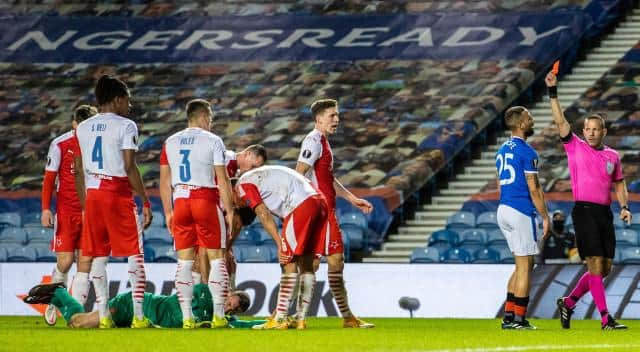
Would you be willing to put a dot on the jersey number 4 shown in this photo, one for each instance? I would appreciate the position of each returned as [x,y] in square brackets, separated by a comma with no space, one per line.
[503,165]
[96,154]
[185,166]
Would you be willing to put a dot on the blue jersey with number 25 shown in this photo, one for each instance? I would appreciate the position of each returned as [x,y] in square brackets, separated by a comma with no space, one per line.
[514,159]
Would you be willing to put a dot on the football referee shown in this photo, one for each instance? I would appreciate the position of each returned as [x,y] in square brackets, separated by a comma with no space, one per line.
[593,168]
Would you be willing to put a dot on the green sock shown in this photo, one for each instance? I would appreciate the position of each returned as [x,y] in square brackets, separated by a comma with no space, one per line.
[67,305]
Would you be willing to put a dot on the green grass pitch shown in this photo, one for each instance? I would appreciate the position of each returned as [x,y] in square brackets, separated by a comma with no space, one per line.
[326,335]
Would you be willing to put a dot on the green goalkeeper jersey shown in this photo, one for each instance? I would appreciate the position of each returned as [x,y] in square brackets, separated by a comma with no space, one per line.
[162,311]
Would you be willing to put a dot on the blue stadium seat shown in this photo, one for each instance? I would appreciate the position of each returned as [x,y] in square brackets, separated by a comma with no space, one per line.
[44,254]
[263,236]
[456,255]
[10,219]
[3,254]
[425,255]
[627,237]
[629,255]
[461,220]
[444,239]
[355,218]
[149,254]
[32,219]
[157,235]
[485,256]
[258,254]
[164,254]
[472,247]
[247,235]
[346,242]
[619,224]
[355,233]
[568,222]
[39,235]
[21,254]
[473,236]
[496,238]
[14,236]
[506,257]
[238,251]
[158,219]
[635,222]
[487,220]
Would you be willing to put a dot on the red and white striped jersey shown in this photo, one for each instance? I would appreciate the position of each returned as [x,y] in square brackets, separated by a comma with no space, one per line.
[281,189]
[316,152]
[191,155]
[102,138]
[60,160]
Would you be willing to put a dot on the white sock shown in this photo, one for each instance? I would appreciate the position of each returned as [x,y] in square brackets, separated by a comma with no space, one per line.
[184,287]
[100,284]
[58,276]
[219,286]
[307,282]
[287,282]
[80,287]
[197,277]
[138,280]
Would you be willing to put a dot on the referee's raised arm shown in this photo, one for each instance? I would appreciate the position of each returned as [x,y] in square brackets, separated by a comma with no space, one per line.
[558,116]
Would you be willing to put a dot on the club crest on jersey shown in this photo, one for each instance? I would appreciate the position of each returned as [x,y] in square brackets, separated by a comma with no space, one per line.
[306,153]
[609,167]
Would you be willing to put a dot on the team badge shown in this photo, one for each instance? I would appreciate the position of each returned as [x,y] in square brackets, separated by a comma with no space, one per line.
[609,167]
[306,153]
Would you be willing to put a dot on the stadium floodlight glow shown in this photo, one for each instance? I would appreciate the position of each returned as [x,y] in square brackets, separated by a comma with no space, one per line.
[410,304]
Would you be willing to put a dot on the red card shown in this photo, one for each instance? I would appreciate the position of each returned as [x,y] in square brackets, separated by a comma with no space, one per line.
[556,67]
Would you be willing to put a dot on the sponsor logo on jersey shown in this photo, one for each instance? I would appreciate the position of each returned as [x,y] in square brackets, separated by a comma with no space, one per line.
[609,167]
[306,153]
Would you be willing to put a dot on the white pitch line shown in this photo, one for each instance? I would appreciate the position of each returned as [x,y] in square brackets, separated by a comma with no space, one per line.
[536,348]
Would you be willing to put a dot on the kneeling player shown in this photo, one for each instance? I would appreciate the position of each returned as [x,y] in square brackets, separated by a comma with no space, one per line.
[287,194]
[162,311]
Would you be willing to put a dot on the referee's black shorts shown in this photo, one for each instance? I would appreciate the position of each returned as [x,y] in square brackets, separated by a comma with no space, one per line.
[595,234]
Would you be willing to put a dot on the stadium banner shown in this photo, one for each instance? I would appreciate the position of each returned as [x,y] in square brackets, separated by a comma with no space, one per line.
[539,35]
[443,290]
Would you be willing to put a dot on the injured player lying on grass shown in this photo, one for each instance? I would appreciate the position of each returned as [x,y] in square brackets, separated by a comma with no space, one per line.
[162,311]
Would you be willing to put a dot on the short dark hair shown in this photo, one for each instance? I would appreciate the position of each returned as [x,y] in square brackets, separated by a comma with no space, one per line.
[196,106]
[83,112]
[321,105]
[258,150]
[245,301]
[602,117]
[513,116]
[246,214]
[108,88]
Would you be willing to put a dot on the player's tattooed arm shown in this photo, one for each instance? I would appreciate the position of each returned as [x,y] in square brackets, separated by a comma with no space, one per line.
[537,196]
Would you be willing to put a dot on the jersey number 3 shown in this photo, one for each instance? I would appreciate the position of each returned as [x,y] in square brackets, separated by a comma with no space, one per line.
[96,153]
[503,165]
[185,166]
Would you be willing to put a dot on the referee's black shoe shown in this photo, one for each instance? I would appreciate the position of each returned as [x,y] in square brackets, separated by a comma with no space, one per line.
[613,325]
[565,313]
[42,293]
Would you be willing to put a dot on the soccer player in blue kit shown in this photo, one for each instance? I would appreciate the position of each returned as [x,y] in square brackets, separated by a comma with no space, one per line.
[520,197]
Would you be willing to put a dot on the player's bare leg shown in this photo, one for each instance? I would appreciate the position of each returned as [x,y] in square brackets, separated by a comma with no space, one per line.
[85,320]
[524,265]
[184,285]
[219,285]
[339,291]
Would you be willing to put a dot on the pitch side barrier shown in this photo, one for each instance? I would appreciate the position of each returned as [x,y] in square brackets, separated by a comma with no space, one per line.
[442,290]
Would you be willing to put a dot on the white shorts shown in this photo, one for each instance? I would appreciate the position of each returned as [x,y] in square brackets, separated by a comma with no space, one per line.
[519,230]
